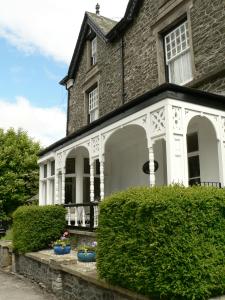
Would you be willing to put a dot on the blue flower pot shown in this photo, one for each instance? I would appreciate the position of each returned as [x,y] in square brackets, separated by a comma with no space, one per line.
[86,256]
[67,249]
[59,250]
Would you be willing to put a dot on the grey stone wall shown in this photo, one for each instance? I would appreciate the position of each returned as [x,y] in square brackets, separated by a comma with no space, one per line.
[107,73]
[78,288]
[67,283]
[142,59]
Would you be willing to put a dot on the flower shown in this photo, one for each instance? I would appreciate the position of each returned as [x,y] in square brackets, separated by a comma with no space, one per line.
[88,247]
[63,241]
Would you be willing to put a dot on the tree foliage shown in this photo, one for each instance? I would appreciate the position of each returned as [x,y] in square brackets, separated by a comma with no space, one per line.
[18,168]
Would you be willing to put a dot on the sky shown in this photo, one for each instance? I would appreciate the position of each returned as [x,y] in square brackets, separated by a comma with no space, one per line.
[37,40]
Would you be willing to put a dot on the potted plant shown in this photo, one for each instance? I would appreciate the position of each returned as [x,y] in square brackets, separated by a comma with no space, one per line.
[62,245]
[87,253]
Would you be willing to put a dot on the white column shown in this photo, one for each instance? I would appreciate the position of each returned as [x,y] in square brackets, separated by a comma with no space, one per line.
[48,184]
[41,186]
[185,156]
[151,167]
[79,178]
[175,151]
[92,178]
[63,186]
[102,184]
[56,200]
[40,201]
[221,156]
[59,187]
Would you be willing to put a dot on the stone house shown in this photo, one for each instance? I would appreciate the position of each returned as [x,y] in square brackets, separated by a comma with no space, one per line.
[146,105]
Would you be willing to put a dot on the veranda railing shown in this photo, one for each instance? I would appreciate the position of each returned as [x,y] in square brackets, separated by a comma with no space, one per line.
[82,216]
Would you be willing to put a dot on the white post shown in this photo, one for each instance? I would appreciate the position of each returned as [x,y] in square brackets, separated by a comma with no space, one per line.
[151,166]
[63,186]
[96,210]
[92,178]
[221,155]
[41,192]
[56,200]
[83,217]
[102,193]
[69,216]
[79,178]
[48,184]
[76,216]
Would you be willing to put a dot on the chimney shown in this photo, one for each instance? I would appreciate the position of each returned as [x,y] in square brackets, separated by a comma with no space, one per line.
[97,7]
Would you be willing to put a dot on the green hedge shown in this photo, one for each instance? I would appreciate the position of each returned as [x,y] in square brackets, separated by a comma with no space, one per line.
[35,227]
[166,242]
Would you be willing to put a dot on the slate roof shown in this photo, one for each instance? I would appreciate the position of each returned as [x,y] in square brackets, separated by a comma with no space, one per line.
[104,24]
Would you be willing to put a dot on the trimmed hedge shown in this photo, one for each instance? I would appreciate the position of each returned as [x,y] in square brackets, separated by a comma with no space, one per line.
[164,242]
[35,227]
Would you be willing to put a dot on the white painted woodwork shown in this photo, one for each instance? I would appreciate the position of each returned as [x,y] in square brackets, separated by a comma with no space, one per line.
[79,177]
[102,193]
[151,167]
[125,149]
[92,187]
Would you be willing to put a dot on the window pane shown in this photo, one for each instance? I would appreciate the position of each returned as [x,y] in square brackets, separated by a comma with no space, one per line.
[70,190]
[192,142]
[178,40]
[94,51]
[86,166]
[86,190]
[53,168]
[45,170]
[70,165]
[93,104]
[97,167]
[97,189]
[193,166]
[180,69]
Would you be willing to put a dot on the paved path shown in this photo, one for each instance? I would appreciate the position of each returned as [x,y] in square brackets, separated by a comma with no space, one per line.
[18,288]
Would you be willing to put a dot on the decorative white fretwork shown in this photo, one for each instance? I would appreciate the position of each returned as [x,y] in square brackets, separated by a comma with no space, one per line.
[158,121]
[223,127]
[59,161]
[177,118]
[95,145]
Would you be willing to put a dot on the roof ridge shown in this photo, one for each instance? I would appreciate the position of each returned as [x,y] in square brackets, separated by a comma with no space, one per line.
[100,16]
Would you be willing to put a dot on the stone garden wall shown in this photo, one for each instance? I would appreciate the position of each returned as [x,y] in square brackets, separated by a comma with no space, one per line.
[67,279]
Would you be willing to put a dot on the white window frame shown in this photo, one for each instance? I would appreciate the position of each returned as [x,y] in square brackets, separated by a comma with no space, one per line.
[94,51]
[93,105]
[176,45]
[192,154]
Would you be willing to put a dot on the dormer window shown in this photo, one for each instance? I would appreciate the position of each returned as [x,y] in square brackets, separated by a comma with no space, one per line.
[178,54]
[94,51]
[93,105]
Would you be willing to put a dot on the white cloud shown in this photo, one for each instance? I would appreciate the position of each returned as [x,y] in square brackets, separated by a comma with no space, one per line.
[46,125]
[50,27]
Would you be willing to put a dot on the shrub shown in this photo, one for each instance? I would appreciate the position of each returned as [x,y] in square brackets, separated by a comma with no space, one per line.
[35,227]
[166,242]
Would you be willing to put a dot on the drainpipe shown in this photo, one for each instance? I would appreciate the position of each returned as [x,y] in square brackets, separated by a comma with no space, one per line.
[122,71]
